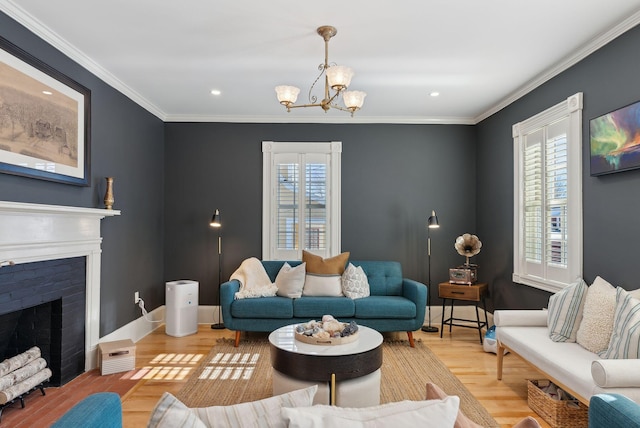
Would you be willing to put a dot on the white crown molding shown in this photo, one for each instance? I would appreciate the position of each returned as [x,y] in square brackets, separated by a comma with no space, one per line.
[38,28]
[17,13]
[290,118]
[596,43]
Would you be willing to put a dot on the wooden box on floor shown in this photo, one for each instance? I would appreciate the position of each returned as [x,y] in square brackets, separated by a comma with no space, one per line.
[117,356]
[557,413]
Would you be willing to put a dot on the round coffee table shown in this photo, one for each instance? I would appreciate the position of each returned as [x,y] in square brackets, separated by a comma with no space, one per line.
[353,367]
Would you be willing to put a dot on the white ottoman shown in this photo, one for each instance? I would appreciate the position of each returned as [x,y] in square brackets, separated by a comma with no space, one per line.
[359,392]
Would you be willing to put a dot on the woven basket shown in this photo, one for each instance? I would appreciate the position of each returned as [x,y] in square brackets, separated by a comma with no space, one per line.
[557,413]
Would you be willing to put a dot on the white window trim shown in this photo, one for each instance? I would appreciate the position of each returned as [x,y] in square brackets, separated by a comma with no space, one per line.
[334,194]
[571,108]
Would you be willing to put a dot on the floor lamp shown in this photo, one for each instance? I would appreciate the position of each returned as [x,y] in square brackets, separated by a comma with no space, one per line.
[432,223]
[215,222]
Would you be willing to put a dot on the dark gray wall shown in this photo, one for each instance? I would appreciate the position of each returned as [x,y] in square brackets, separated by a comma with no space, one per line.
[126,143]
[392,177]
[609,80]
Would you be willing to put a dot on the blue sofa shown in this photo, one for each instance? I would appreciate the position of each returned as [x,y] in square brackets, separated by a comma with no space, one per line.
[99,410]
[613,411]
[395,303]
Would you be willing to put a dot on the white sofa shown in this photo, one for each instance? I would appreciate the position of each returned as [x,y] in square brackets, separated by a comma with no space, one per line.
[575,369]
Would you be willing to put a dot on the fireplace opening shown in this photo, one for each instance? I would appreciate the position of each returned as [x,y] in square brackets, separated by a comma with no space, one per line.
[43,304]
[35,326]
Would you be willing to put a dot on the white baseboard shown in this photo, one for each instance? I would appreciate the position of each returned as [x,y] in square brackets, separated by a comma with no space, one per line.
[138,328]
[135,330]
[141,327]
[208,314]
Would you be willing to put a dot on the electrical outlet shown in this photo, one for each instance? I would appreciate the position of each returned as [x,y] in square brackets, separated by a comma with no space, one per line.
[136,297]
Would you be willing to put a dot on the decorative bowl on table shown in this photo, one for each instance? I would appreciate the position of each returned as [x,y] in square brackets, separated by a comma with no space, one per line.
[329,331]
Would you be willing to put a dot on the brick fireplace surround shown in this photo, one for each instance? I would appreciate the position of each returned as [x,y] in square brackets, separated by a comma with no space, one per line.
[55,242]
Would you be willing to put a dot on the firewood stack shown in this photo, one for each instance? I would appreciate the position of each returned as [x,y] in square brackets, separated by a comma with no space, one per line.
[22,374]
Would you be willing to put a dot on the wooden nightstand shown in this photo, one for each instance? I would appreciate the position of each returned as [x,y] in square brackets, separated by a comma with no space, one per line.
[471,293]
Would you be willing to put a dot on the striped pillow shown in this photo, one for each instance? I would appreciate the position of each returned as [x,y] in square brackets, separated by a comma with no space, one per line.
[625,339]
[171,412]
[263,413]
[565,312]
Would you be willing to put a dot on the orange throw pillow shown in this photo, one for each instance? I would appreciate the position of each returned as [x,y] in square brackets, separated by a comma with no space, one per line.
[330,266]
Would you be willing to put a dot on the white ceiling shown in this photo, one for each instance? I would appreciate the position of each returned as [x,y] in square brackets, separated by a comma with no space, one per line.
[479,55]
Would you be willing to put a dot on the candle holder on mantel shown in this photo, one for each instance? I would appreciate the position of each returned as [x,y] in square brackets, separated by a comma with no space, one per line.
[108,196]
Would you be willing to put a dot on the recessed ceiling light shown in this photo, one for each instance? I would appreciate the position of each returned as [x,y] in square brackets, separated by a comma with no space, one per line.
[434,94]
[47,92]
[215,92]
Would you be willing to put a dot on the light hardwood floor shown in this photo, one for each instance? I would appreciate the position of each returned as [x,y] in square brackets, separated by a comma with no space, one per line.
[164,363]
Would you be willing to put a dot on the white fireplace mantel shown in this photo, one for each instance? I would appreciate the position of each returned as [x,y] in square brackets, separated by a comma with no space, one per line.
[36,232]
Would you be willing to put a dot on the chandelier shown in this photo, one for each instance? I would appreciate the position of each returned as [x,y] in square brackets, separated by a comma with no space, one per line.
[337,79]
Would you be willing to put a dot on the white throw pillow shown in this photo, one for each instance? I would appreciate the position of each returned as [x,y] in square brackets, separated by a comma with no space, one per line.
[355,284]
[322,285]
[170,412]
[621,373]
[625,338]
[426,414]
[565,312]
[290,280]
[595,328]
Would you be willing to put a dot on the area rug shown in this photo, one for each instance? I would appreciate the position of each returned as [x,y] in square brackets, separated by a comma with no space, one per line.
[230,375]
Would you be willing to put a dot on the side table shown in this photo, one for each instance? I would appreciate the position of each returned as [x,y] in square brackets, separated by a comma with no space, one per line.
[471,293]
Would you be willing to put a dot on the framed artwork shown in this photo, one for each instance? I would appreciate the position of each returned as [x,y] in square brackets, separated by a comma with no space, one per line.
[615,141]
[44,120]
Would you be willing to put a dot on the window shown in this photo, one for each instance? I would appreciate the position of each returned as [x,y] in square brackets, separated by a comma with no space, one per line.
[548,197]
[301,199]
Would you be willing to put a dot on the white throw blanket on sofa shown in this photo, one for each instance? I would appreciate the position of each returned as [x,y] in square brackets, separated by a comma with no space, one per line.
[254,281]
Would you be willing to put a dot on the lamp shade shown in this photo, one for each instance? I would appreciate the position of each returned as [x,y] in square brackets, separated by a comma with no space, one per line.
[339,77]
[287,94]
[432,223]
[353,100]
[215,220]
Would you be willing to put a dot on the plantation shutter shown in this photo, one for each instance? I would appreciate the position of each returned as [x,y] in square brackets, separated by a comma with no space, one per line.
[301,204]
[316,205]
[301,200]
[533,198]
[555,221]
[287,203]
[545,199]
[548,197]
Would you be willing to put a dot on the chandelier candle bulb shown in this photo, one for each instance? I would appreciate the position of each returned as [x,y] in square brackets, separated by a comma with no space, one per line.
[287,95]
[339,77]
[353,100]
